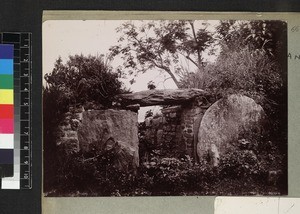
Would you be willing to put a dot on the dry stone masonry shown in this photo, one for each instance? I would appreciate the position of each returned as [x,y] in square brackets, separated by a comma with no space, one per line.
[177,125]
[68,137]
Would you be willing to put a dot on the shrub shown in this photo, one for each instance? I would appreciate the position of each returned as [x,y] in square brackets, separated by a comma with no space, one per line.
[92,173]
[85,79]
[239,164]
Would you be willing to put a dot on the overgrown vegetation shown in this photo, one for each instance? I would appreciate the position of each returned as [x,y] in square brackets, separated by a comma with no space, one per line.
[241,172]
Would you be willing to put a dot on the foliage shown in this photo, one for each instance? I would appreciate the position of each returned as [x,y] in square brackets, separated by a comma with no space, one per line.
[238,164]
[151,85]
[251,73]
[247,72]
[53,109]
[148,113]
[160,44]
[94,174]
[252,59]
[166,44]
[90,173]
[269,36]
[84,79]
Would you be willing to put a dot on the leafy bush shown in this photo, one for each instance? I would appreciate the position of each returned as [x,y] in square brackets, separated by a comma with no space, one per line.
[251,73]
[167,175]
[84,79]
[93,174]
[239,164]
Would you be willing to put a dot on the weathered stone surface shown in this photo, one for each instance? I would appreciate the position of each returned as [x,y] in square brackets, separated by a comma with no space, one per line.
[190,119]
[121,126]
[67,141]
[172,109]
[127,158]
[68,145]
[134,107]
[161,97]
[225,122]
[196,127]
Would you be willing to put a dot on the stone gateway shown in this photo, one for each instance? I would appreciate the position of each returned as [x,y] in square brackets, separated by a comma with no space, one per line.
[191,126]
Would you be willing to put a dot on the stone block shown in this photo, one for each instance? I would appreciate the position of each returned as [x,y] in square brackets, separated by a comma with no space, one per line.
[173,115]
[68,145]
[227,120]
[66,127]
[156,122]
[100,126]
[71,134]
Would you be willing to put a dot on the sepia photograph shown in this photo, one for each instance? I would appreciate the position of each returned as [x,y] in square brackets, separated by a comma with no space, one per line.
[164,108]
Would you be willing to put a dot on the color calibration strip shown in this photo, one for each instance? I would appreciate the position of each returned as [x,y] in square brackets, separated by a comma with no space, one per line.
[6,111]
[15,92]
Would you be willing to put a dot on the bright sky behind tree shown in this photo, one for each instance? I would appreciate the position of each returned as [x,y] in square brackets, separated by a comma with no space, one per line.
[95,37]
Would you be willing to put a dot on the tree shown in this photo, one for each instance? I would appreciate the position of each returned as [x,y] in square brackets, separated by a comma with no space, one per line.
[267,35]
[162,44]
[84,79]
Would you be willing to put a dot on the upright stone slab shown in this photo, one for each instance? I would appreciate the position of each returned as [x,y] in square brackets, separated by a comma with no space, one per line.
[225,121]
[99,127]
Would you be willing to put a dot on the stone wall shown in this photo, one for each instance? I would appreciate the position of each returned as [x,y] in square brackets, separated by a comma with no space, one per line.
[178,126]
[68,136]
[190,121]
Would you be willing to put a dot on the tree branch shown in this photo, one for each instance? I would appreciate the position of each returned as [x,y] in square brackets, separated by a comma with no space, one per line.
[198,51]
[157,65]
[168,71]
[189,58]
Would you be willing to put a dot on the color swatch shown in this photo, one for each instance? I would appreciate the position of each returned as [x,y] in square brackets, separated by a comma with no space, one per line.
[6,110]
[15,110]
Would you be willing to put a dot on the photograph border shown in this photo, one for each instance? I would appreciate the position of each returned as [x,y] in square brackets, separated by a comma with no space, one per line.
[193,203]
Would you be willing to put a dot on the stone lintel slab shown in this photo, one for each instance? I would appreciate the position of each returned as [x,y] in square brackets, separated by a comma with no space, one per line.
[161,97]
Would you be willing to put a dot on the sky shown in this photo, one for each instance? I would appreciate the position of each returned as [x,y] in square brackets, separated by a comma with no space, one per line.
[93,37]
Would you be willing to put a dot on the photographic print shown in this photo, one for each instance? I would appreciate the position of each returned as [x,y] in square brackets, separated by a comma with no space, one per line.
[164,107]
